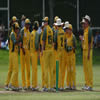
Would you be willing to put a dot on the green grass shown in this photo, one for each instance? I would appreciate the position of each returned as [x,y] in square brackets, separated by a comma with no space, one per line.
[78,95]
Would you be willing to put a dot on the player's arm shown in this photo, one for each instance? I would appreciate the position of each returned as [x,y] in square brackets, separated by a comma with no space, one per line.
[44,39]
[13,40]
[40,42]
[21,40]
[89,42]
[74,43]
[55,40]
[9,32]
[37,41]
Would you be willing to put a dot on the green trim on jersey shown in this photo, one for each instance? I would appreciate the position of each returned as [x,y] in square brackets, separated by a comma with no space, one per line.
[90,35]
[44,34]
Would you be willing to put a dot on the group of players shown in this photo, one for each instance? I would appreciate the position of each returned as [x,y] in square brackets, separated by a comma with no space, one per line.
[53,44]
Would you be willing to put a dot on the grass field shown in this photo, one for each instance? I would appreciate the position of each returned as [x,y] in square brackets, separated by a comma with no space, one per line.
[75,95]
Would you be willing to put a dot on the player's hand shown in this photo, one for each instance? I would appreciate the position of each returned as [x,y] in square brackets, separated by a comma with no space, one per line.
[74,50]
[42,53]
[17,38]
[81,37]
[20,44]
[23,51]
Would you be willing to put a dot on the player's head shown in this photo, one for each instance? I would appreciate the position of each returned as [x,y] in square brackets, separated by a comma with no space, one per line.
[58,23]
[23,17]
[36,25]
[27,23]
[55,19]
[14,19]
[68,28]
[16,27]
[45,20]
[85,22]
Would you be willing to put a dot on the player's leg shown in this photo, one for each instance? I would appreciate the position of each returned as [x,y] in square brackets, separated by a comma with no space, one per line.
[14,81]
[90,72]
[9,71]
[54,69]
[85,67]
[27,60]
[59,80]
[46,65]
[63,68]
[42,70]
[51,68]
[34,70]
[22,61]
[68,74]
[73,71]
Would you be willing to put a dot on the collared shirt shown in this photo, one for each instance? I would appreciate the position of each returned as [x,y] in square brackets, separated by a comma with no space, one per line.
[88,38]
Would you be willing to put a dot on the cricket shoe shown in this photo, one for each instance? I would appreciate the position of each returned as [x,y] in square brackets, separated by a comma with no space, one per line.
[68,88]
[28,88]
[6,88]
[20,88]
[89,88]
[24,88]
[84,88]
[14,88]
[60,89]
[73,88]
[52,90]
[35,89]
[45,90]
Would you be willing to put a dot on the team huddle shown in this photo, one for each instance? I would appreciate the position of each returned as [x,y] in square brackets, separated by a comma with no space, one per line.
[53,44]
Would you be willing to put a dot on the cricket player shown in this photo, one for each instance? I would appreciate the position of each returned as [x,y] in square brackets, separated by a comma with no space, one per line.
[34,46]
[13,20]
[54,26]
[48,54]
[87,44]
[55,51]
[70,53]
[59,40]
[41,57]
[25,54]
[13,58]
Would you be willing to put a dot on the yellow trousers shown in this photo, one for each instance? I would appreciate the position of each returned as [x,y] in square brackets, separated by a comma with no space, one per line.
[34,59]
[87,65]
[48,67]
[25,63]
[42,69]
[13,69]
[71,69]
[61,68]
[54,69]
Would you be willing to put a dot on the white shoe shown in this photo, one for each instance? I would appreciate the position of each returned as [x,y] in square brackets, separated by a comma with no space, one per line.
[14,88]
[61,89]
[6,88]
[89,88]
[68,88]
[73,88]
[52,90]
[84,88]
[35,89]
[45,90]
